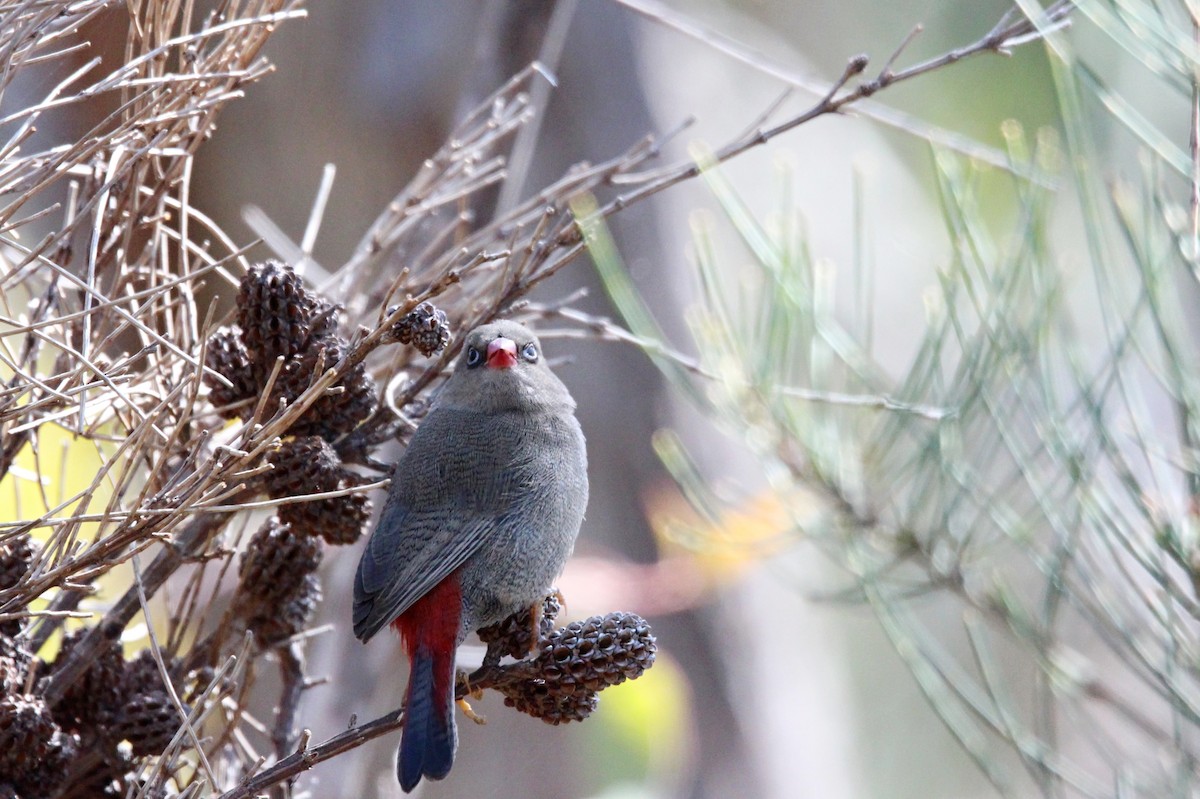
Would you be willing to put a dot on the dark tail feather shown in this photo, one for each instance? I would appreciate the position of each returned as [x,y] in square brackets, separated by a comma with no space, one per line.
[429,738]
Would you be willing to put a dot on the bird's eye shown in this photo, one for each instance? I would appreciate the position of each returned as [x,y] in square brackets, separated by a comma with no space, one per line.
[530,352]
[474,357]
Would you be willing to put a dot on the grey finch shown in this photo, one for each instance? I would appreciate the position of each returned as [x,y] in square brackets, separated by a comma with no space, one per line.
[482,513]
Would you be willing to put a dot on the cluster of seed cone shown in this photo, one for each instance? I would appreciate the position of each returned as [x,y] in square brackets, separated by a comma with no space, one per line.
[285,330]
[278,589]
[573,663]
[119,709]
[34,749]
[120,700]
[282,326]
[285,337]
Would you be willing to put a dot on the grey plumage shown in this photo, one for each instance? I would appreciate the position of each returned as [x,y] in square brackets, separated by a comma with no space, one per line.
[494,482]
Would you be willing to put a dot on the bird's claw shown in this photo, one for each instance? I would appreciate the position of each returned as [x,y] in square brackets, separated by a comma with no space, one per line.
[464,679]
[469,712]
[536,614]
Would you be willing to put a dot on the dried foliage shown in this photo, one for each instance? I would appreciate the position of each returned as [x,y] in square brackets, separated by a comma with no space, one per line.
[196,421]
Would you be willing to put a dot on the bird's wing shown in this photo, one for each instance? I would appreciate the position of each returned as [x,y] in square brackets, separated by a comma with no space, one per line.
[432,522]
[387,584]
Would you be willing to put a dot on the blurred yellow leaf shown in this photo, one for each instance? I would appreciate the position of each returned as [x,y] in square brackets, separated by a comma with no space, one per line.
[49,471]
[725,547]
[52,475]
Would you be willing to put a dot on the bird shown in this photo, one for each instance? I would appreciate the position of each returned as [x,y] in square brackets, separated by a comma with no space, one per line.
[482,513]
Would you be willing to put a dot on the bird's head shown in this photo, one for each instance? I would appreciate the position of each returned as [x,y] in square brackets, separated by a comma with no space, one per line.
[501,367]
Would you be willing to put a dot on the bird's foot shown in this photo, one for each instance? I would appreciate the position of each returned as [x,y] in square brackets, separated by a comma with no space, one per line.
[469,712]
[464,679]
[535,633]
[537,613]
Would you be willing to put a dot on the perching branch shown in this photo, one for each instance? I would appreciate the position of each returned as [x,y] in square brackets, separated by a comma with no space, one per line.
[558,685]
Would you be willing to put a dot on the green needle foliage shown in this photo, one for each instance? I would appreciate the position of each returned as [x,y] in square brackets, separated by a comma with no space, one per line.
[1040,480]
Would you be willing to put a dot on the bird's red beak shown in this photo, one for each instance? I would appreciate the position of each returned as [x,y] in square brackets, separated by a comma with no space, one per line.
[501,353]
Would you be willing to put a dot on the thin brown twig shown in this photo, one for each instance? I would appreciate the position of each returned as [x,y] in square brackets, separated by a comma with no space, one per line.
[291,667]
[186,727]
[835,100]
[1004,35]
[188,543]
[603,329]
[305,758]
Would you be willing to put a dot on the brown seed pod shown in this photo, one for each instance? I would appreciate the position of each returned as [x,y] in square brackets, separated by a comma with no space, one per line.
[34,751]
[324,320]
[16,558]
[148,721]
[278,592]
[273,568]
[271,629]
[305,465]
[336,413]
[576,662]
[12,675]
[90,705]
[340,413]
[142,674]
[597,652]
[226,354]
[425,328]
[537,699]
[277,315]
[339,520]
[513,637]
